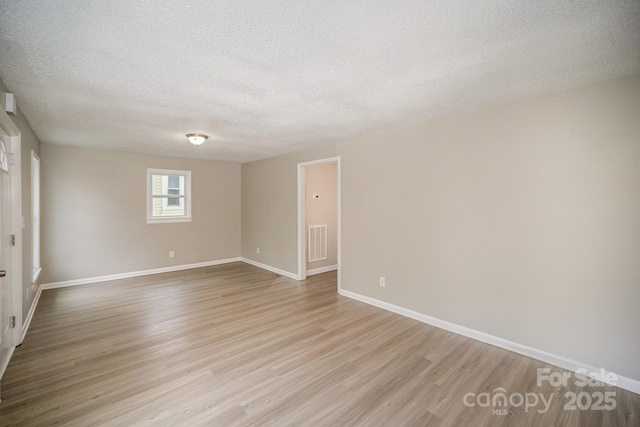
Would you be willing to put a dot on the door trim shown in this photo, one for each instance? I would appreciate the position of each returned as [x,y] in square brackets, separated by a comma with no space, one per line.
[15,147]
[302,262]
[16,219]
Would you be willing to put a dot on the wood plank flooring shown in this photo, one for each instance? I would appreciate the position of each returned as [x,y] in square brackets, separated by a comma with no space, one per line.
[234,345]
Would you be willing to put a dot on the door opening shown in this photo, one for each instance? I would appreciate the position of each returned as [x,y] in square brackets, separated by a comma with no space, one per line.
[6,312]
[10,240]
[319,217]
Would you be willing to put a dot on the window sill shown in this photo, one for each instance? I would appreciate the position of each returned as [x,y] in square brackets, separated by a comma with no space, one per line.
[36,275]
[167,220]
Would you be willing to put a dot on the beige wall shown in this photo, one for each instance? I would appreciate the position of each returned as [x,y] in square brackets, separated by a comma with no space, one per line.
[322,179]
[94,214]
[270,208]
[29,141]
[521,221]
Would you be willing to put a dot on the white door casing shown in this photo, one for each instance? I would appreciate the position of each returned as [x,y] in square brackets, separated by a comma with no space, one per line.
[302,232]
[6,302]
[11,254]
[5,248]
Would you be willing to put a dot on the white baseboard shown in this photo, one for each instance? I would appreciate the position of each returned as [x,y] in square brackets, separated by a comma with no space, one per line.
[88,280]
[321,270]
[32,310]
[271,269]
[559,361]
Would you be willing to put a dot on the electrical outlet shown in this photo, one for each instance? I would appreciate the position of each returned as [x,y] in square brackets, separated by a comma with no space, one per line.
[383,282]
[171,254]
[257,250]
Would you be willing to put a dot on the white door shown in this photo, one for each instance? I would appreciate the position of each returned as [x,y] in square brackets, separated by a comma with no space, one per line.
[5,252]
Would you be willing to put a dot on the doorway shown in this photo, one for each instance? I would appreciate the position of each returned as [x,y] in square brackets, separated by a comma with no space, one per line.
[10,240]
[6,341]
[319,247]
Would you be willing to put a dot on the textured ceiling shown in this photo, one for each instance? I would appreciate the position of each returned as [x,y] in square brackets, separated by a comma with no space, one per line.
[264,78]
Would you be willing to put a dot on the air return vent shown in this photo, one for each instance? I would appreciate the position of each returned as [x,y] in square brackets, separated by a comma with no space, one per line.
[317,242]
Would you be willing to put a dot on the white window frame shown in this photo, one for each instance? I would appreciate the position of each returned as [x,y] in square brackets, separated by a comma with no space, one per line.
[186,200]
[35,216]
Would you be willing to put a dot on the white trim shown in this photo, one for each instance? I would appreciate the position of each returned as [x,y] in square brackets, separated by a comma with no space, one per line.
[36,216]
[320,270]
[628,384]
[168,219]
[271,269]
[302,245]
[36,275]
[302,259]
[16,219]
[15,148]
[32,310]
[559,361]
[98,279]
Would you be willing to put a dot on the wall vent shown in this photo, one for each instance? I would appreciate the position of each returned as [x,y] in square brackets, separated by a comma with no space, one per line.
[317,242]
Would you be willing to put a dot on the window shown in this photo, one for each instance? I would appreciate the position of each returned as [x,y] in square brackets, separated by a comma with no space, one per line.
[169,196]
[35,214]
[174,186]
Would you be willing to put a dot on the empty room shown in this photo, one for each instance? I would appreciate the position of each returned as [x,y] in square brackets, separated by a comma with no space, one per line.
[370,213]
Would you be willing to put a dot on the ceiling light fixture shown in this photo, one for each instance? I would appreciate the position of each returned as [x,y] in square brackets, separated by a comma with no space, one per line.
[196,138]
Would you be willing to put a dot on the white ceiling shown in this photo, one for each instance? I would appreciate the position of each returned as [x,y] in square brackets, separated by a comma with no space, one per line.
[264,78]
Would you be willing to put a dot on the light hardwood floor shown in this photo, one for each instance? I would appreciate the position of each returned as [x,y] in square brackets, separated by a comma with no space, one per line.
[235,345]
